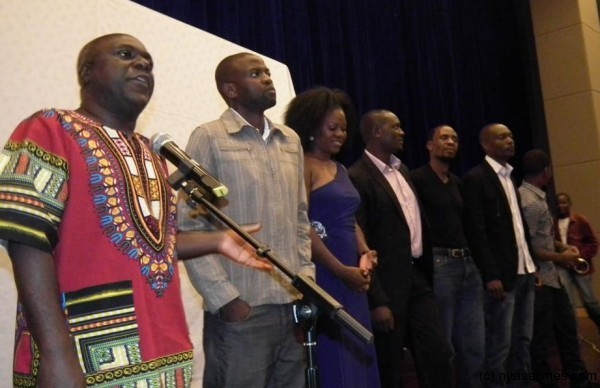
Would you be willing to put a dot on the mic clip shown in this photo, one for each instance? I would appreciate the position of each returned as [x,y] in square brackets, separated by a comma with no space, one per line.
[179,180]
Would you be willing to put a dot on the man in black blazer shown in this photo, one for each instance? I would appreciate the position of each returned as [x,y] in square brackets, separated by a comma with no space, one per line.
[403,308]
[499,241]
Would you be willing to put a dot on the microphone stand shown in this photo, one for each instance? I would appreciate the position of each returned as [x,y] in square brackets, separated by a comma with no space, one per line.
[316,300]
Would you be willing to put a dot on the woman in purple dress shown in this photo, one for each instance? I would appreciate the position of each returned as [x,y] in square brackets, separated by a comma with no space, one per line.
[342,258]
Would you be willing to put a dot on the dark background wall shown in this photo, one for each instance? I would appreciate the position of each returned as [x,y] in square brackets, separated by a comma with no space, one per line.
[461,62]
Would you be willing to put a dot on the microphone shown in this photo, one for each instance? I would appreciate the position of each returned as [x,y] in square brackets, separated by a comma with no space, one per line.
[163,144]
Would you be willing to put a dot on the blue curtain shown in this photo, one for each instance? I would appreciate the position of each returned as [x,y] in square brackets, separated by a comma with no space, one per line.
[461,62]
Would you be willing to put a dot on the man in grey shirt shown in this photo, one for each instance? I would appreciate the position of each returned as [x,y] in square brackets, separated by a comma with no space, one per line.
[249,313]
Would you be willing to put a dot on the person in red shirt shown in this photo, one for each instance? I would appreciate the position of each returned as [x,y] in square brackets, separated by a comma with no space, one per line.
[574,229]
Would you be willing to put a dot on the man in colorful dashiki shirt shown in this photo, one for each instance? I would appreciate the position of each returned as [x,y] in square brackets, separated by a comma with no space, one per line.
[90,223]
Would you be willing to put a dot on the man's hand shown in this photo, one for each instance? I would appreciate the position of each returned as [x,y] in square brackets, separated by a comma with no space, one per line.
[495,289]
[235,248]
[573,248]
[569,257]
[235,311]
[382,319]
[537,280]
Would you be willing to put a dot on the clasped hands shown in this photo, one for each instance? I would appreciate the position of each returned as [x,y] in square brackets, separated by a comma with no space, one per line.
[359,278]
[569,256]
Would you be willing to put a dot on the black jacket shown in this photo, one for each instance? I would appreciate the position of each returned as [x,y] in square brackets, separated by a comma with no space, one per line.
[382,220]
[489,225]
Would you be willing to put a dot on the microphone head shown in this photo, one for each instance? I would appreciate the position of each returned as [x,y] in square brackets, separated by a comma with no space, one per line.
[158,140]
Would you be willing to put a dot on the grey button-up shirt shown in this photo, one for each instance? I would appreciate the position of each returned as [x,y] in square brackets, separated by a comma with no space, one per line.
[539,221]
[265,178]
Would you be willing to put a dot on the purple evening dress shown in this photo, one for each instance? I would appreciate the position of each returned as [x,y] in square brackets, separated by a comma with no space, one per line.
[343,359]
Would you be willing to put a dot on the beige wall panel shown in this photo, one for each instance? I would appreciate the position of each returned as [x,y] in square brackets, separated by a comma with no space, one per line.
[572,132]
[552,15]
[568,47]
[588,10]
[562,62]
[591,41]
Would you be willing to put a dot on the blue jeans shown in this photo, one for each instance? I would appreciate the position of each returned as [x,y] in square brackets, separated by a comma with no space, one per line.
[508,332]
[574,283]
[459,294]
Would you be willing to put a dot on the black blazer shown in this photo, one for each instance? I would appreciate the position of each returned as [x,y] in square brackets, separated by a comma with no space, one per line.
[382,220]
[489,225]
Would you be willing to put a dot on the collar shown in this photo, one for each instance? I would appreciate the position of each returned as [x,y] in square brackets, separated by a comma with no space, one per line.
[497,167]
[242,122]
[394,162]
[536,190]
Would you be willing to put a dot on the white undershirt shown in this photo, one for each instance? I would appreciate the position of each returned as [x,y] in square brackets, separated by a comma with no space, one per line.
[563,227]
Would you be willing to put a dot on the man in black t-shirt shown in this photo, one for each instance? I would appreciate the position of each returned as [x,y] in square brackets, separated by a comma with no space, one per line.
[456,280]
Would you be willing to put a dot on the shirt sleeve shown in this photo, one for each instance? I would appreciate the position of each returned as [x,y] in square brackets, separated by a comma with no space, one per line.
[307,267]
[588,242]
[33,182]
[533,213]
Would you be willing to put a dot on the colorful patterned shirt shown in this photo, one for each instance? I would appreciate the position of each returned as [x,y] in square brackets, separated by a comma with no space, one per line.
[97,199]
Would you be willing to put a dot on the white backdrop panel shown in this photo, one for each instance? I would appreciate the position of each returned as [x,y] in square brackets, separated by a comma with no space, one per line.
[41,40]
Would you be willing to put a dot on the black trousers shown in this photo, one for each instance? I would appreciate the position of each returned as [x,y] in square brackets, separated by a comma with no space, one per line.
[554,319]
[418,326]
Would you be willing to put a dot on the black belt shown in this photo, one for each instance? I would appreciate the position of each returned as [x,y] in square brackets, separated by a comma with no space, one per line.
[457,253]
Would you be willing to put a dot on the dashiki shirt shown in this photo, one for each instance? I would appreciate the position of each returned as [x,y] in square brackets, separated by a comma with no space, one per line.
[98,200]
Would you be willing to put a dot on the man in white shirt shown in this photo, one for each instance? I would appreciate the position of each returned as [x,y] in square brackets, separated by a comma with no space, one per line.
[500,245]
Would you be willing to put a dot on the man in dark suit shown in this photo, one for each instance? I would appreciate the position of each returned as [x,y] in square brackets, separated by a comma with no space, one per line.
[501,248]
[400,297]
